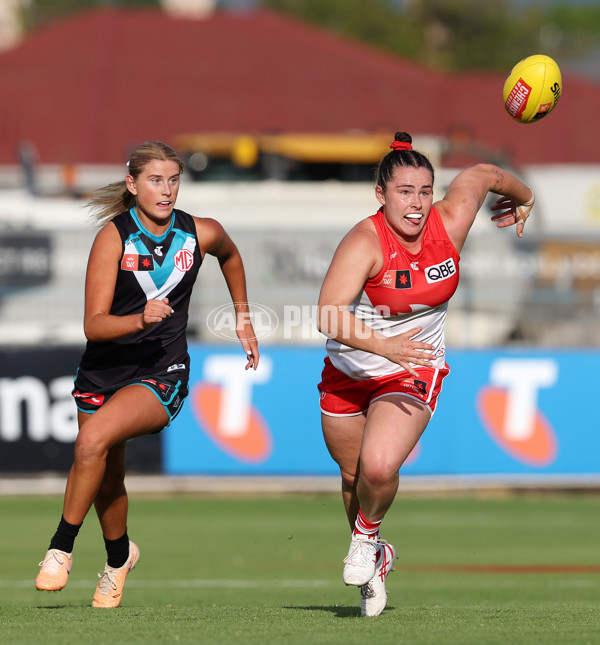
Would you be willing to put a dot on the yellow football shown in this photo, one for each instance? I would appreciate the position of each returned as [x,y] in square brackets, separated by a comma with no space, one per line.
[533,88]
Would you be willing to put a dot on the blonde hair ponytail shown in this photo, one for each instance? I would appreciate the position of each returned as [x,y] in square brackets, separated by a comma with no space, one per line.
[109,201]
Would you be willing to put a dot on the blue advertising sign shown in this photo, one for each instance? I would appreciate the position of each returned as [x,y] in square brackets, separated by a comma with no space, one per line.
[500,412]
[250,422]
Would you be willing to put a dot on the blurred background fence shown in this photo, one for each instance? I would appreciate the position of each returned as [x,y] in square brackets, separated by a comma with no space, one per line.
[542,290]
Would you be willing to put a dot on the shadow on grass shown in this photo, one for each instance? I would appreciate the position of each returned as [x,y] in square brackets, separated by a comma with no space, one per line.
[339,611]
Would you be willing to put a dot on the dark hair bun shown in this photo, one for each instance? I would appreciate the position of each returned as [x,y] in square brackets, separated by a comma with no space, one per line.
[403,136]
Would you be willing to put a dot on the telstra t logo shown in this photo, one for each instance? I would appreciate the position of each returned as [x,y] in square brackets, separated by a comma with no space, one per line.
[508,409]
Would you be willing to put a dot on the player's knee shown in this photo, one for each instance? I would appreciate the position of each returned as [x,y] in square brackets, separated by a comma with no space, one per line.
[379,473]
[89,447]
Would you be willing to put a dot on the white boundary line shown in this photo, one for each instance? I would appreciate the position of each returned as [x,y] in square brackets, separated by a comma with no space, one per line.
[187,584]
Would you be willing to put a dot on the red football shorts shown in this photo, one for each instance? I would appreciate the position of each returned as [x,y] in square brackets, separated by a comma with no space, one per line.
[342,396]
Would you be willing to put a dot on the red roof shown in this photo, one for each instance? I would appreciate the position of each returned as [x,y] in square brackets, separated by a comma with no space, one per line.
[88,88]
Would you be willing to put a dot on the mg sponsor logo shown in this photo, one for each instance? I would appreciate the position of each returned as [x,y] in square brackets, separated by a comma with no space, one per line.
[183,260]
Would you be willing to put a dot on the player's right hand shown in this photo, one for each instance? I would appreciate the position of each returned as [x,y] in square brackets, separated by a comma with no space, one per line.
[156,311]
[407,353]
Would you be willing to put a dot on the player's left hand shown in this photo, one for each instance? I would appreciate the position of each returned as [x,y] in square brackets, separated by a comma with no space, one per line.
[245,333]
[513,212]
[251,348]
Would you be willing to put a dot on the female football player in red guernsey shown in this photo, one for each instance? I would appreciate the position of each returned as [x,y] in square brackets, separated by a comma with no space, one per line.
[383,306]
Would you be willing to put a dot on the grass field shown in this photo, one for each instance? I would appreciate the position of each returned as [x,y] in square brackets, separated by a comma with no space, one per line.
[267,570]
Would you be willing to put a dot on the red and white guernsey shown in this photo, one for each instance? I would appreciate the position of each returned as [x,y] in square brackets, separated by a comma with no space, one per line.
[410,291]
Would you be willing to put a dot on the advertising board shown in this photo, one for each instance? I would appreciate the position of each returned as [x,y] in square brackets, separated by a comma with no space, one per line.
[500,412]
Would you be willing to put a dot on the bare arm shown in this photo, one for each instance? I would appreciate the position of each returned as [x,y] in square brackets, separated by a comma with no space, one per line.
[215,241]
[101,278]
[357,258]
[466,195]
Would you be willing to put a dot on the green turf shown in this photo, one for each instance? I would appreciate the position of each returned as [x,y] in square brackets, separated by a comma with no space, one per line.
[251,570]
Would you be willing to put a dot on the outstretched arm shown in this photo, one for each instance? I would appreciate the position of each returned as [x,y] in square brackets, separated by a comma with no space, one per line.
[466,195]
[215,241]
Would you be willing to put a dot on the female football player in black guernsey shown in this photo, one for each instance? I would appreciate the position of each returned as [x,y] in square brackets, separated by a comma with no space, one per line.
[133,375]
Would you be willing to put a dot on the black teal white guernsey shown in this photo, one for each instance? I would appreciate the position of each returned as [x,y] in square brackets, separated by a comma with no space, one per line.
[151,268]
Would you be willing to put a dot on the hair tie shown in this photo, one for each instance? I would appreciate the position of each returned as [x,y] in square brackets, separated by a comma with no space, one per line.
[401,145]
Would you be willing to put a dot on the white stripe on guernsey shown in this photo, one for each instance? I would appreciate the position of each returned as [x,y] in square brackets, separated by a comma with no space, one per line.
[158,293]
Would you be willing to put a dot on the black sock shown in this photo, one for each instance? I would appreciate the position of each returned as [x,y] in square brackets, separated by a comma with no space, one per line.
[117,551]
[65,535]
